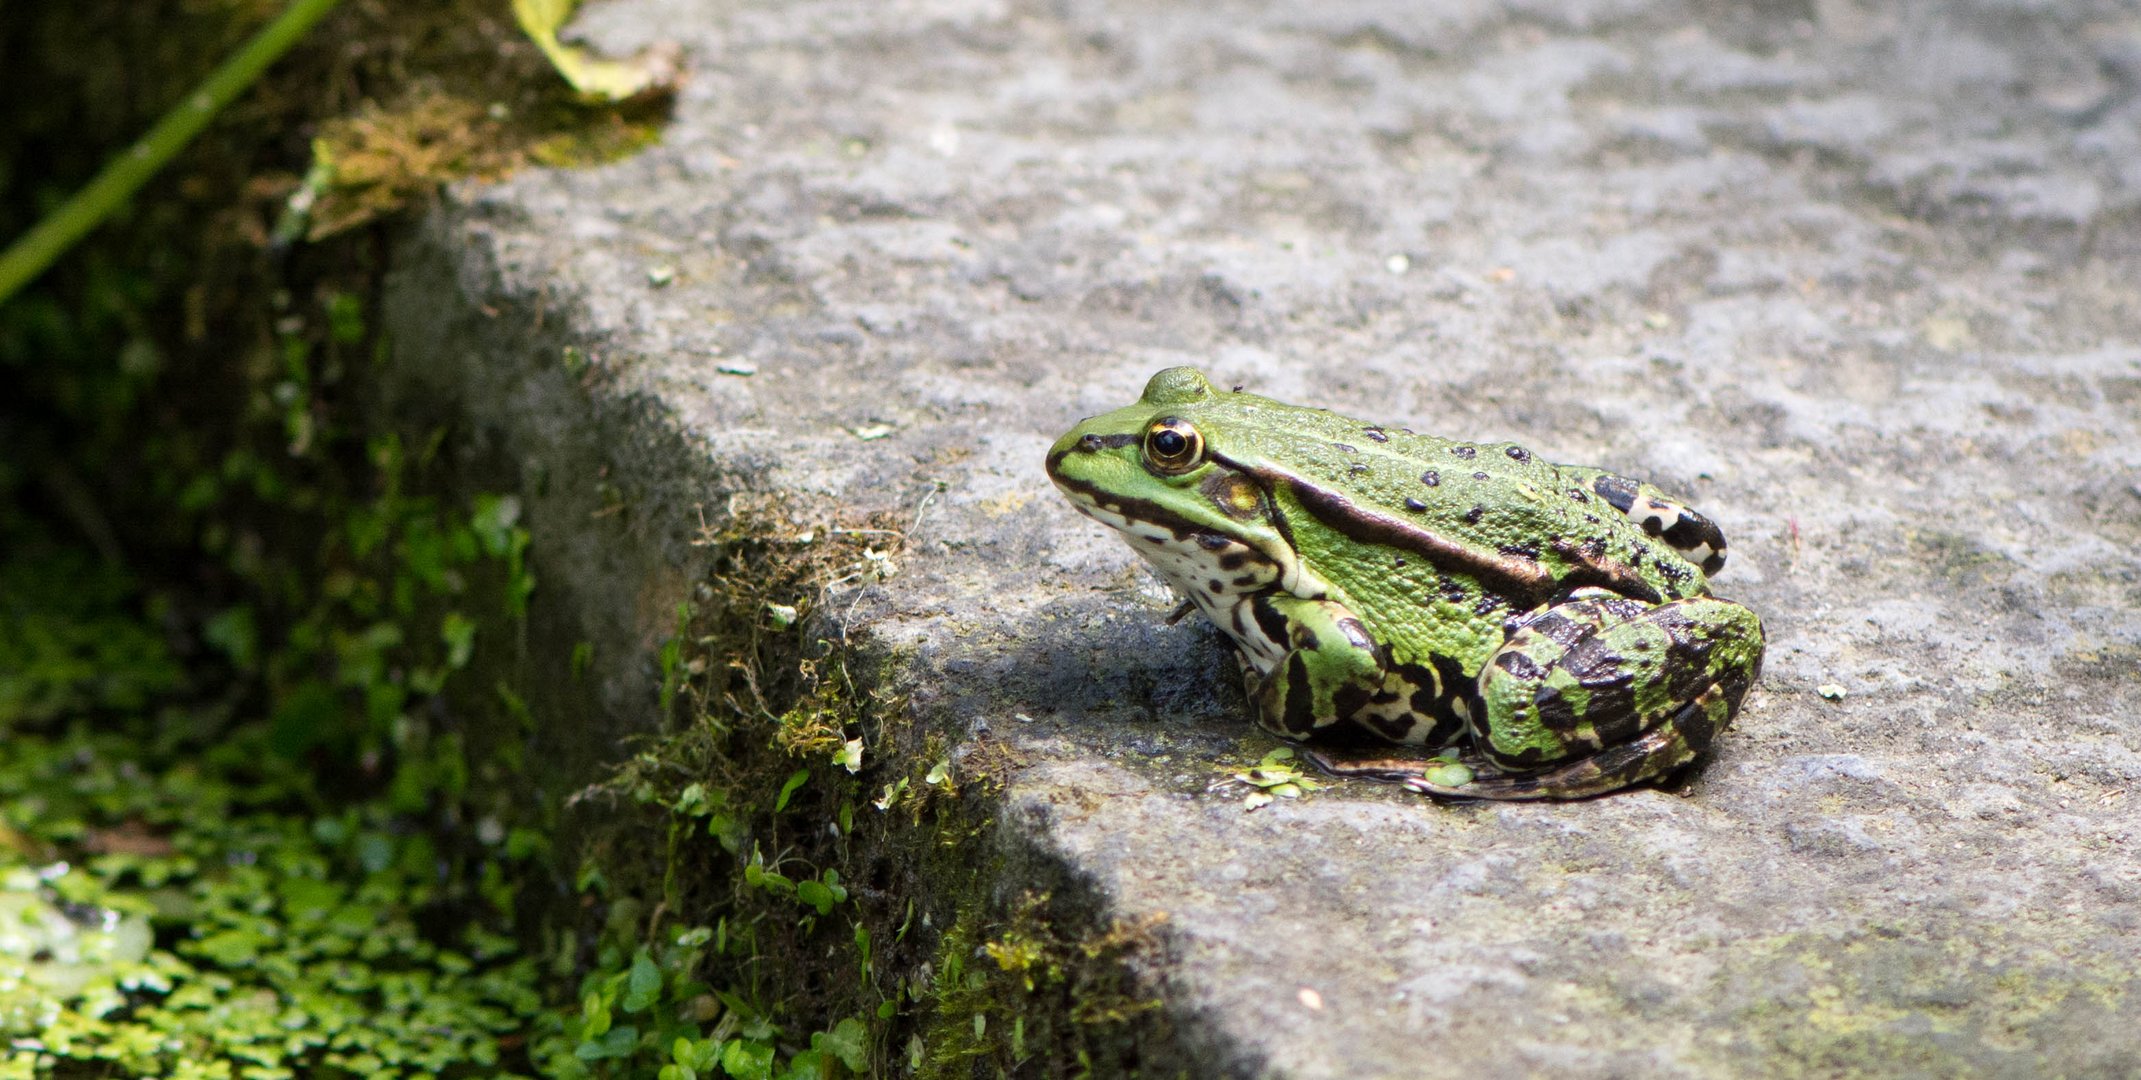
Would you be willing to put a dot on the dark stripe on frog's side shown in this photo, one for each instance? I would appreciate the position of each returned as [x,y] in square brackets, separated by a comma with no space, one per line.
[1514,576]
[1508,574]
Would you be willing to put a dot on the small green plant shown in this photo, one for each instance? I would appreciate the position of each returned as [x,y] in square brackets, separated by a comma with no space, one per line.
[182,908]
[644,1011]
[239,835]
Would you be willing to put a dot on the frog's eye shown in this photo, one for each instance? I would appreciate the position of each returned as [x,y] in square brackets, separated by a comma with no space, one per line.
[1172,446]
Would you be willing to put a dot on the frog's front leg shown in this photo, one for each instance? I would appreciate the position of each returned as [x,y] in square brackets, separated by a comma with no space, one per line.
[1601,692]
[1330,668]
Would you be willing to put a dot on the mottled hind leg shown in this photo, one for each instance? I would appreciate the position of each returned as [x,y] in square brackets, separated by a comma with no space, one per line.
[1676,742]
[1600,693]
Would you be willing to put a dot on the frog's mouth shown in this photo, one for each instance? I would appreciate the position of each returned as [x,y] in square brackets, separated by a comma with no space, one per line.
[1125,514]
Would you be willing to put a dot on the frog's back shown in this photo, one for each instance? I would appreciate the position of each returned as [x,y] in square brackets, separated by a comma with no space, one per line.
[1493,517]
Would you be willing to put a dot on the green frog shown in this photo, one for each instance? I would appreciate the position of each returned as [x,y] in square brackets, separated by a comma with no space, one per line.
[1551,625]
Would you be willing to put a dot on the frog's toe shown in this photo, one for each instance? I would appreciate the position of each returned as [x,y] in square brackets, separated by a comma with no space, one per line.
[1384,770]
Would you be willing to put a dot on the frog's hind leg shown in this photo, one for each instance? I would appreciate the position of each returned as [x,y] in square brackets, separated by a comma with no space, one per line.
[1600,693]
[1668,746]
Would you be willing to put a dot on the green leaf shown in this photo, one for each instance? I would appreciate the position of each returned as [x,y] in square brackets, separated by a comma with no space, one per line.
[232,631]
[756,875]
[698,1055]
[849,1040]
[303,897]
[375,852]
[458,631]
[730,830]
[594,77]
[617,1043]
[345,319]
[231,948]
[807,1065]
[747,1060]
[794,783]
[692,801]
[493,519]
[522,843]
[643,985]
[816,895]
[305,717]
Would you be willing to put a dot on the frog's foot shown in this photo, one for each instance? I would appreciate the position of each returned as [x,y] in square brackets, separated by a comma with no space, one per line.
[1435,774]
[1598,694]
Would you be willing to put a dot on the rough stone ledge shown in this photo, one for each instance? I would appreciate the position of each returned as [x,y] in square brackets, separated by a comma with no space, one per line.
[1857,278]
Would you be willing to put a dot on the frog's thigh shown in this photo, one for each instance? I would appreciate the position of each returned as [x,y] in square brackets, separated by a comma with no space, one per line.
[1331,668]
[1630,689]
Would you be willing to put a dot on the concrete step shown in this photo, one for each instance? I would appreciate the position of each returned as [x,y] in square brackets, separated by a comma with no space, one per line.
[1857,279]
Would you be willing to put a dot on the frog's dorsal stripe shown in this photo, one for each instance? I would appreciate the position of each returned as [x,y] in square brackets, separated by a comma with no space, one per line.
[1513,575]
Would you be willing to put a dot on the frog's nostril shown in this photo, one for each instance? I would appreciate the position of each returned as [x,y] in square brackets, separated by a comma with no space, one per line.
[1091,444]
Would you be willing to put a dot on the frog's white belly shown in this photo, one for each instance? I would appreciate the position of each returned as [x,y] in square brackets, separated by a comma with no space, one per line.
[1225,595]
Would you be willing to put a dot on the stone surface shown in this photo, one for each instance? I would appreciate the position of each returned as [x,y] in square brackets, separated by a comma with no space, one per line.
[1859,279]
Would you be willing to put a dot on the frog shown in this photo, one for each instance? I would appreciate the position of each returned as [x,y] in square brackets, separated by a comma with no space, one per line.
[1548,631]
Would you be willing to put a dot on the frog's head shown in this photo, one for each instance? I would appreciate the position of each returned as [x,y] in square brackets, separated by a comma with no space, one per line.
[1158,472]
